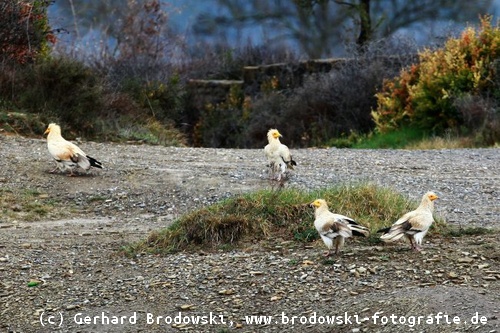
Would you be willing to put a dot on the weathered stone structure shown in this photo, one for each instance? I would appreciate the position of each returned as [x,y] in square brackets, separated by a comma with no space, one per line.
[286,75]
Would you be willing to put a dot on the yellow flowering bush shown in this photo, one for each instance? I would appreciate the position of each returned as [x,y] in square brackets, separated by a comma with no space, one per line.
[424,95]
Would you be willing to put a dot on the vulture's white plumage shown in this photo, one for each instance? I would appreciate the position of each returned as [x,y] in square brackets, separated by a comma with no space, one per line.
[66,154]
[334,228]
[414,225]
[278,155]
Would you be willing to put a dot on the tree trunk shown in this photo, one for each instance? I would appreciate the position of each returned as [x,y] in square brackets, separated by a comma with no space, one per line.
[365,33]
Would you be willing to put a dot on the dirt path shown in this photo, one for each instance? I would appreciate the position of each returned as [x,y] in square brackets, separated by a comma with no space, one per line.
[72,250]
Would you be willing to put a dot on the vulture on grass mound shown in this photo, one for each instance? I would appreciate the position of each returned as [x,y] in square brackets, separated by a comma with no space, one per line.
[334,228]
[414,225]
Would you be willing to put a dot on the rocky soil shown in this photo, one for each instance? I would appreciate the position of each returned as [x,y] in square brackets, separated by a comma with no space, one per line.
[61,269]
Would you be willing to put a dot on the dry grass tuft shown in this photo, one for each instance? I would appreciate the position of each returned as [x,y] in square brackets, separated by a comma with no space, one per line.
[442,143]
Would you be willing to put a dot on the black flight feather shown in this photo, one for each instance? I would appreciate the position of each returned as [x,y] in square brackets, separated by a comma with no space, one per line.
[95,163]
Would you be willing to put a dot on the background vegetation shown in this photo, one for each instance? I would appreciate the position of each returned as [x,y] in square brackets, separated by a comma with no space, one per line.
[389,93]
[455,87]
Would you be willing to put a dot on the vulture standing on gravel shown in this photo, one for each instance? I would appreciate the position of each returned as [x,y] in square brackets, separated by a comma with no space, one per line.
[66,154]
[334,228]
[414,225]
[278,155]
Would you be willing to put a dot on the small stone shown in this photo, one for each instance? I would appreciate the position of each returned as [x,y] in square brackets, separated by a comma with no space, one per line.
[491,272]
[466,260]
[489,278]
[26,245]
[452,275]
[361,270]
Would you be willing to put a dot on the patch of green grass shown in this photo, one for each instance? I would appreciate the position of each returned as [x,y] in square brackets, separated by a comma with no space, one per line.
[346,141]
[408,138]
[223,330]
[270,214]
[394,140]
[31,192]
[489,246]
[25,204]
[327,262]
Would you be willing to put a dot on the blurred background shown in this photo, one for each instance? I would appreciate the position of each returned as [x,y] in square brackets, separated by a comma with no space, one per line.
[220,73]
[311,28]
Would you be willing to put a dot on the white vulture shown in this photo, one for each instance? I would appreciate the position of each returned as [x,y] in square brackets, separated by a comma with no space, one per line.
[278,155]
[334,228]
[414,225]
[66,154]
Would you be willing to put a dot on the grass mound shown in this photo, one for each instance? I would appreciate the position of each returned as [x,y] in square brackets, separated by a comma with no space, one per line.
[282,214]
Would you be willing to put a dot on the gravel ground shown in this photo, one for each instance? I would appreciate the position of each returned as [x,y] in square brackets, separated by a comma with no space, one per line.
[72,252]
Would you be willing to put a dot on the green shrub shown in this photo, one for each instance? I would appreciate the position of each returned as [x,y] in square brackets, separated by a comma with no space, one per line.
[163,100]
[424,96]
[20,123]
[62,90]
[148,131]
[221,125]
